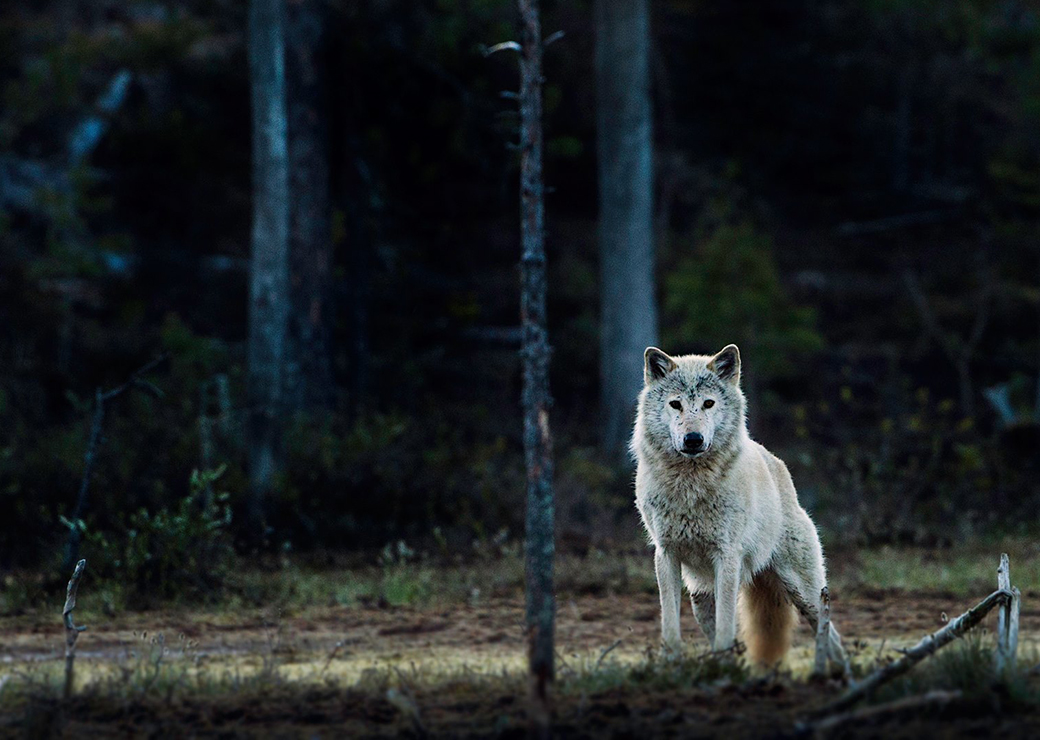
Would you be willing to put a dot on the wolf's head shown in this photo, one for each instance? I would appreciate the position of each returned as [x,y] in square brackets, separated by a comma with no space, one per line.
[691,406]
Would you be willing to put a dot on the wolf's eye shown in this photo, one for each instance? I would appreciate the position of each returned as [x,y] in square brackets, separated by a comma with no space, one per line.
[675,405]
[709,403]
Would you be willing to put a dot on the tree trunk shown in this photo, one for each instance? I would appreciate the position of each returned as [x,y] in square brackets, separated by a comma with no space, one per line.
[308,368]
[269,263]
[626,194]
[541,606]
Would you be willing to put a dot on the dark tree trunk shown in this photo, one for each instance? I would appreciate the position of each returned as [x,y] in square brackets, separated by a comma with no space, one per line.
[269,263]
[624,135]
[541,607]
[309,382]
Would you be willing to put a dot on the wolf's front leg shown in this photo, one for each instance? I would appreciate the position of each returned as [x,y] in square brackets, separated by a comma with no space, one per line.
[727,584]
[669,585]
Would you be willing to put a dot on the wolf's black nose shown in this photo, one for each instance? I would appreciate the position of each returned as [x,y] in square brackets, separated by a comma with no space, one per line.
[693,442]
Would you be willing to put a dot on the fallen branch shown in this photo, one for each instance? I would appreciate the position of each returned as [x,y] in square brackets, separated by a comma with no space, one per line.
[928,645]
[71,629]
[823,727]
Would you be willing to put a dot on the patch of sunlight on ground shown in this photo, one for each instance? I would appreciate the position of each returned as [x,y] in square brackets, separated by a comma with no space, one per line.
[184,670]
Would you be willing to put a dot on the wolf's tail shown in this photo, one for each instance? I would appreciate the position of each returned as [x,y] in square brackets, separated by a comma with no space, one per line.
[766,619]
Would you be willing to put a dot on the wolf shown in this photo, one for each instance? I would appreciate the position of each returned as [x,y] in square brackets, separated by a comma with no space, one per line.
[721,511]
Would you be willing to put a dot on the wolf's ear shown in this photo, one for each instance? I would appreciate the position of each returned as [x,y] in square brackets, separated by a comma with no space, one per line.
[656,364]
[726,364]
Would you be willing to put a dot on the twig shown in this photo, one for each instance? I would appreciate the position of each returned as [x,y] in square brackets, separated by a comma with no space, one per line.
[94,445]
[504,46]
[332,655]
[404,700]
[822,727]
[823,634]
[856,228]
[608,651]
[928,645]
[71,629]
[553,37]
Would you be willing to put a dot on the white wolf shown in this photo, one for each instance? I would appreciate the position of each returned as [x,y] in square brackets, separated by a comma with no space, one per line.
[721,510]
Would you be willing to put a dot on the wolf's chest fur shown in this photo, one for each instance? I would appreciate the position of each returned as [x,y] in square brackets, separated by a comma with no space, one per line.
[690,516]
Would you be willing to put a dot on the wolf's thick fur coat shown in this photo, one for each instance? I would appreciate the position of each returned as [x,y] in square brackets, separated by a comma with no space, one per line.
[723,518]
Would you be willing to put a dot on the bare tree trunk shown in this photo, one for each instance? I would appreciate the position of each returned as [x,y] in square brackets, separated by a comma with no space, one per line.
[541,605]
[308,366]
[626,194]
[269,265]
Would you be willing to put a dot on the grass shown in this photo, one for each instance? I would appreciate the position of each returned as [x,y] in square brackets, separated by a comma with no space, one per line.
[963,571]
[156,679]
[272,677]
[426,582]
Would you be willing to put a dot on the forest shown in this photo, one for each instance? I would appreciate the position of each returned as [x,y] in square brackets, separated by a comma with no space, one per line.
[322,325]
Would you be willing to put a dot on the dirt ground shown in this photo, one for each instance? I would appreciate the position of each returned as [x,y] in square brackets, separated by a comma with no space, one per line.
[482,639]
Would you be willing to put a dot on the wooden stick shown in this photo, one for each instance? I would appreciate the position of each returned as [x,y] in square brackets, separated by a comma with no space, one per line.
[1003,616]
[928,645]
[1012,647]
[71,630]
[828,724]
[823,635]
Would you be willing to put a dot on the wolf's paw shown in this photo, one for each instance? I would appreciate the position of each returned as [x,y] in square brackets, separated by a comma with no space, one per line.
[671,651]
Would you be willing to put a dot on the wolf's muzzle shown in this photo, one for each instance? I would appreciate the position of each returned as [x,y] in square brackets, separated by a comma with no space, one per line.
[693,443]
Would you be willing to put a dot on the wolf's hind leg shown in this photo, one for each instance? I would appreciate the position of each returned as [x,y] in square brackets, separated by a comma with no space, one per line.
[703,600]
[803,587]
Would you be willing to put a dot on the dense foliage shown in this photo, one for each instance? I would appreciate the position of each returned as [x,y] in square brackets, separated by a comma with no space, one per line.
[848,190]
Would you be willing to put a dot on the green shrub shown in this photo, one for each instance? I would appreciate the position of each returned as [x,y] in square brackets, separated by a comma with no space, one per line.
[729,290]
[179,551]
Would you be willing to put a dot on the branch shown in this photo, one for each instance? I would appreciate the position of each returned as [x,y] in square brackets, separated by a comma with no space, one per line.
[857,228]
[136,381]
[608,651]
[552,38]
[916,654]
[823,727]
[71,629]
[924,310]
[94,444]
[88,134]
[504,46]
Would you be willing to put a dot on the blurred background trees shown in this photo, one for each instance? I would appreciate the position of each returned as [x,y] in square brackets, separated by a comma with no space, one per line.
[625,167]
[811,163]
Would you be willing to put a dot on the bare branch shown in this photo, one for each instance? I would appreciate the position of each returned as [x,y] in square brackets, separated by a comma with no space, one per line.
[924,310]
[71,629]
[94,444]
[552,38]
[823,727]
[608,651]
[927,646]
[504,46]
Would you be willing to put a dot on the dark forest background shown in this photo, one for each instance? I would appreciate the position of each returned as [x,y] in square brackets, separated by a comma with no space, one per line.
[850,191]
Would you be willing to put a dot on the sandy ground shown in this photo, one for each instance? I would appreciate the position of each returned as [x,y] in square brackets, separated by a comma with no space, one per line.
[418,643]
[486,636]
